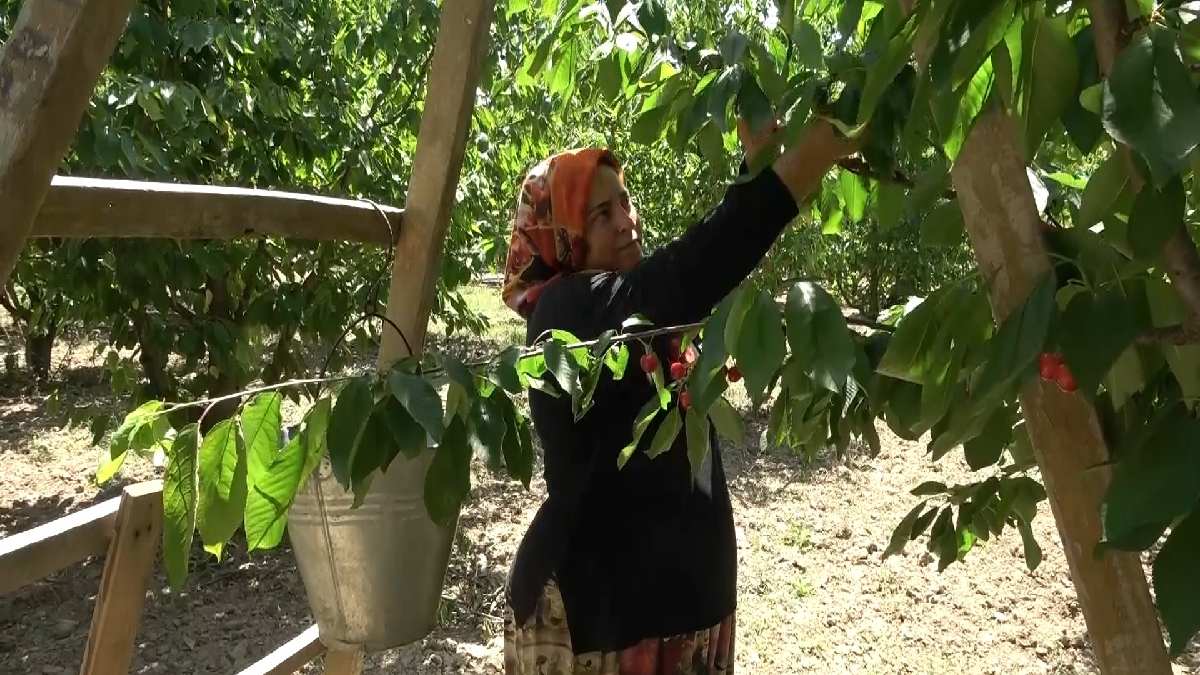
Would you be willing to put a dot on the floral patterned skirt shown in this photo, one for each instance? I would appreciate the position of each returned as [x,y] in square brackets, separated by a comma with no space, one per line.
[543,647]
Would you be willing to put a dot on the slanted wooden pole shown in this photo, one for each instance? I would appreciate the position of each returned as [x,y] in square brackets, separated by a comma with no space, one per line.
[48,69]
[1003,225]
[449,101]
[290,657]
[127,571]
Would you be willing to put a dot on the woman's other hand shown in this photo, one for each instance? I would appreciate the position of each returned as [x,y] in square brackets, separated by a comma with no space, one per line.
[819,147]
[754,143]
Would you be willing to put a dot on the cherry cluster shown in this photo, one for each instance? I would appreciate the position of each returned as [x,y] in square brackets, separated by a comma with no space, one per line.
[1053,368]
[682,361]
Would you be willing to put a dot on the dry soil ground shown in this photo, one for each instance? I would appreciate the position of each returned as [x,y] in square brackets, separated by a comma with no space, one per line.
[814,594]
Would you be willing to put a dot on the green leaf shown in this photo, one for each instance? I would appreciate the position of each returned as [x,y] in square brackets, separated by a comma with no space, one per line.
[696,426]
[901,535]
[665,436]
[943,226]
[985,449]
[1177,582]
[1158,482]
[649,125]
[1029,546]
[1100,327]
[448,481]
[1050,55]
[883,72]
[908,350]
[506,371]
[1157,214]
[407,435]
[222,461]
[179,505]
[142,428]
[761,345]
[1167,309]
[753,106]
[267,502]
[314,438]
[740,301]
[929,487]
[853,195]
[259,424]
[889,207]
[848,17]
[518,444]
[819,336]
[653,17]
[420,400]
[1084,126]
[1103,191]
[807,46]
[1016,345]
[486,430]
[1151,105]
[644,417]
[727,421]
[733,47]
[350,414]
[617,360]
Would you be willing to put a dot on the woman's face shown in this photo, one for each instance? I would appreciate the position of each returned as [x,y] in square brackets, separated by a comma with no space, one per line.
[614,233]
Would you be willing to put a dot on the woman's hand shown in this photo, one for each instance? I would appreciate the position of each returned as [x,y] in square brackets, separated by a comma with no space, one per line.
[819,147]
[754,143]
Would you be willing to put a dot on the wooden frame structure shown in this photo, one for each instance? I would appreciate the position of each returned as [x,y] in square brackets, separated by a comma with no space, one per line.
[126,530]
[47,72]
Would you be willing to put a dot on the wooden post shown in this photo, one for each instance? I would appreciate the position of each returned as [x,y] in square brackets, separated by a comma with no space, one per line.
[343,661]
[127,571]
[48,69]
[1003,225]
[449,101]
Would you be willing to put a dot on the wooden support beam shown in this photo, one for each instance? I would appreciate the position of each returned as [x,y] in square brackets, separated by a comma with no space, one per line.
[450,97]
[48,69]
[1003,225]
[344,661]
[93,207]
[33,554]
[131,555]
[290,657]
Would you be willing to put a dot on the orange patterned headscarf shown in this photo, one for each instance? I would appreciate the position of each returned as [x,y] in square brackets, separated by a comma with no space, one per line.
[549,234]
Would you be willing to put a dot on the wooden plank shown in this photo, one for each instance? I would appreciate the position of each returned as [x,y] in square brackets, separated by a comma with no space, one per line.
[131,555]
[1003,225]
[48,69]
[290,657]
[344,662]
[93,207]
[449,100]
[33,554]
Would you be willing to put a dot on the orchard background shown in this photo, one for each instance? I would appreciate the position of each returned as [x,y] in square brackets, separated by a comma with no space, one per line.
[325,98]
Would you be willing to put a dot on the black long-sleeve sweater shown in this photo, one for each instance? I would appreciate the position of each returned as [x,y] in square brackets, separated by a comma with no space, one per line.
[640,552]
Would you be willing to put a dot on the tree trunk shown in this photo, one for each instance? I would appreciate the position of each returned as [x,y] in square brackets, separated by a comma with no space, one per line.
[39,346]
[1004,229]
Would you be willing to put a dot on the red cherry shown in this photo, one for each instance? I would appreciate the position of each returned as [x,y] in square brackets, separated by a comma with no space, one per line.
[1065,380]
[1048,366]
[678,371]
[733,374]
[676,343]
[649,362]
[690,355]
[685,399]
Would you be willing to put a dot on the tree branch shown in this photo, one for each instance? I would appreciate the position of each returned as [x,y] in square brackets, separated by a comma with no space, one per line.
[1181,260]
[857,165]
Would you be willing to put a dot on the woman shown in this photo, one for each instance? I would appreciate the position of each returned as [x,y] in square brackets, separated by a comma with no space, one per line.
[631,571]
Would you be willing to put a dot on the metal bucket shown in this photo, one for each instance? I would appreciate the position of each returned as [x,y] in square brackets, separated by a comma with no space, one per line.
[373,574]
